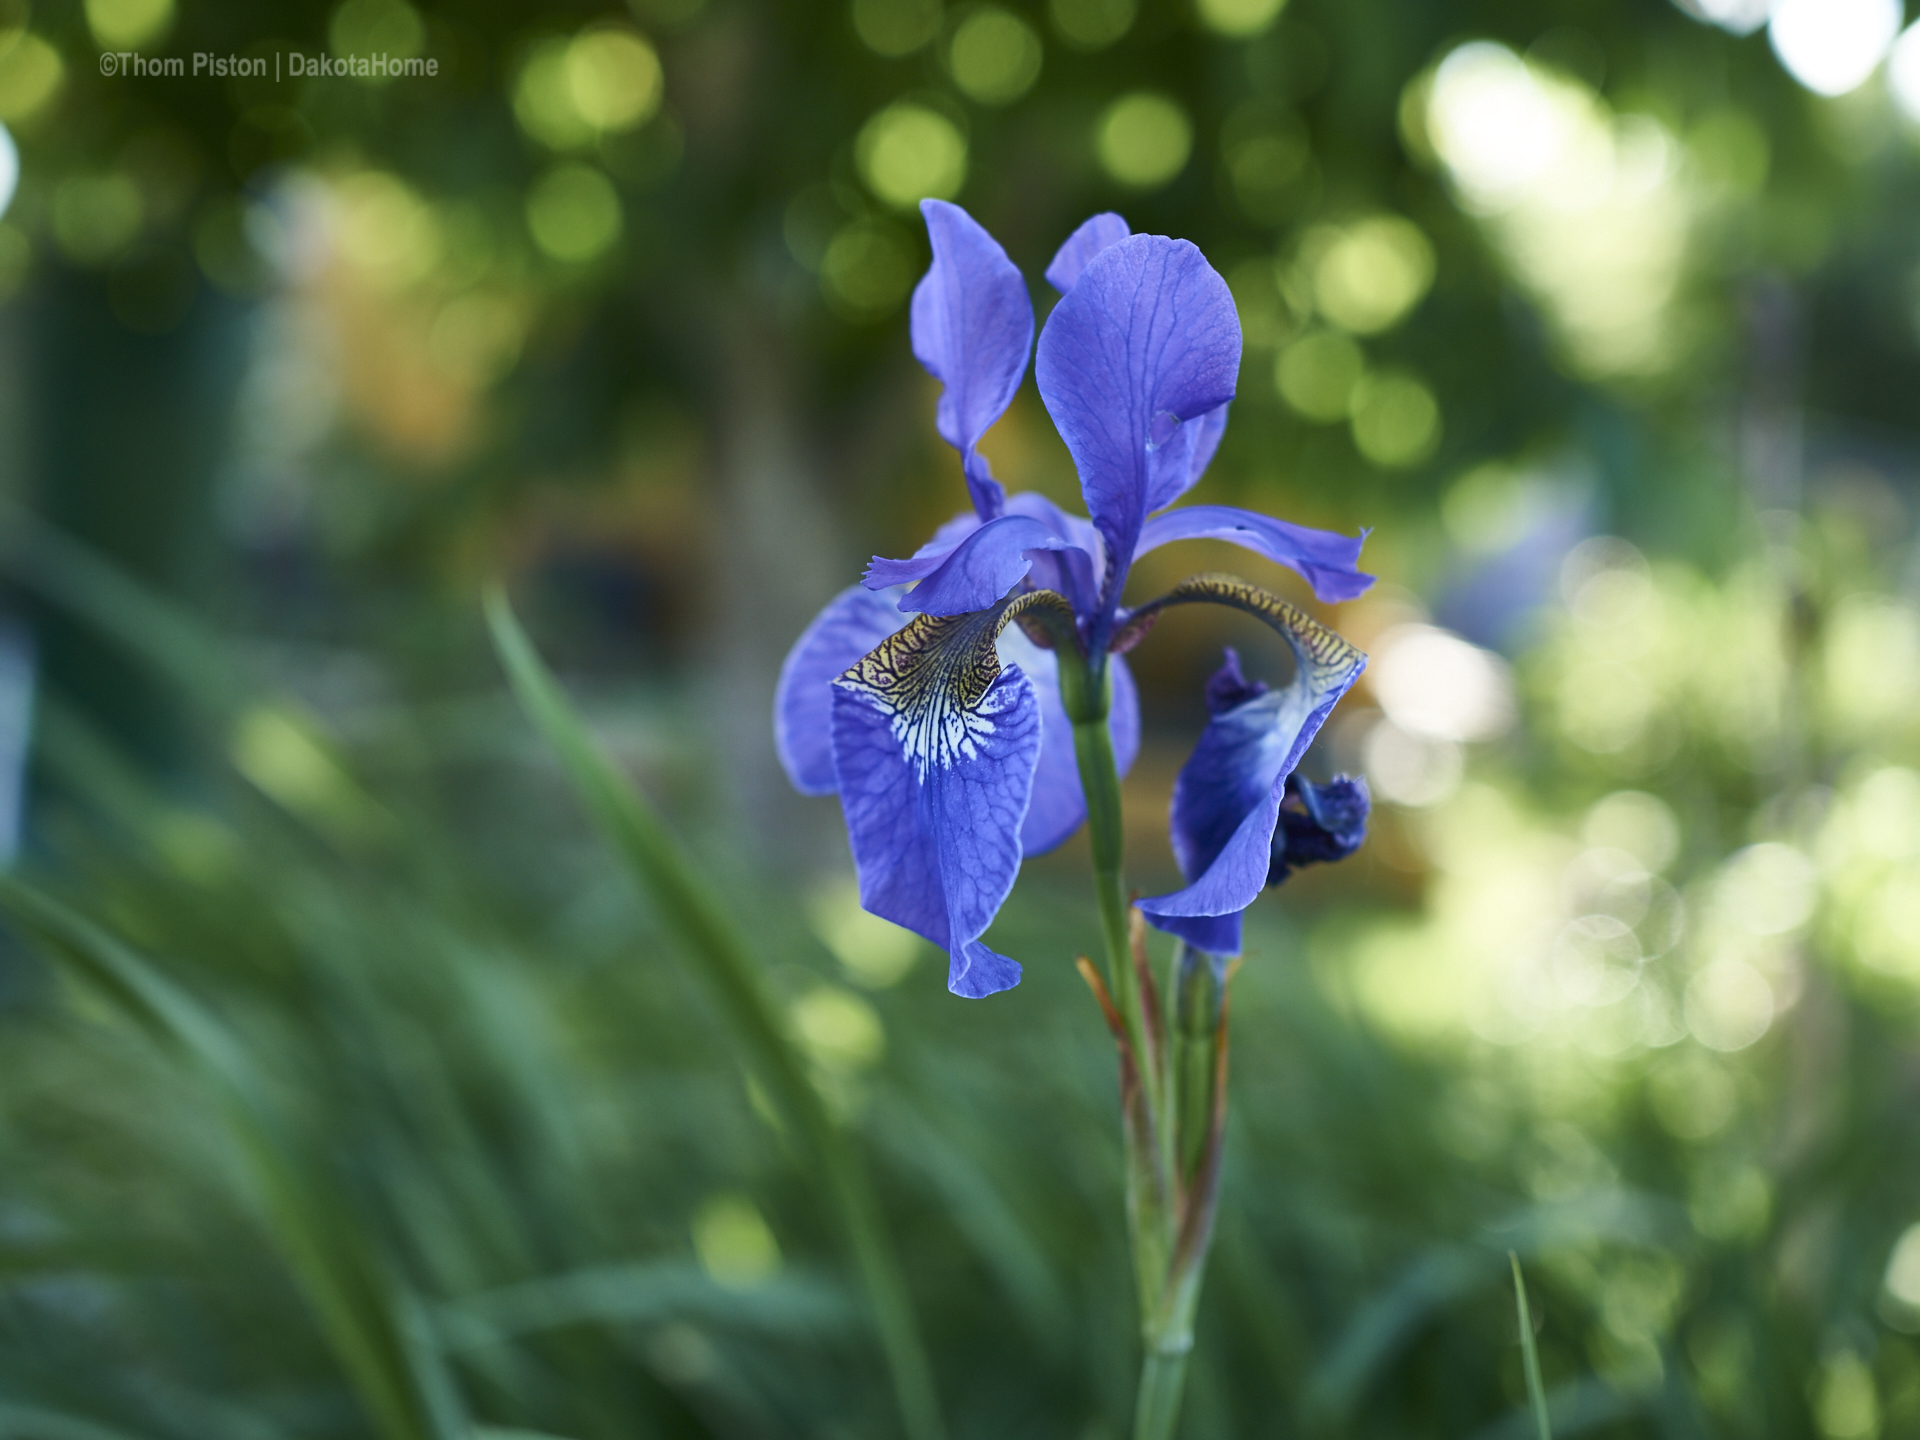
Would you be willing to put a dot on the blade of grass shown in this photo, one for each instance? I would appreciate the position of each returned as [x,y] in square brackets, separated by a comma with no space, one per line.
[152,628]
[699,919]
[1584,1406]
[920,1141]
[1446,1274]
[1536,1392]
[786,1305]
[271,739]
[31,1422]
[341,1279]
[1386,1323]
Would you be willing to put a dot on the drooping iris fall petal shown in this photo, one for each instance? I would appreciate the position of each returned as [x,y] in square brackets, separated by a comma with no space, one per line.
[1228,797]
[935,745]
[853,623]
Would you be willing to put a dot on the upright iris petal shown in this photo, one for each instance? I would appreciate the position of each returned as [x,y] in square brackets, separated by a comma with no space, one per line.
[1093,236]
[1208,431]
[1227,800]
[972,327]
[934,749]
[1146,342]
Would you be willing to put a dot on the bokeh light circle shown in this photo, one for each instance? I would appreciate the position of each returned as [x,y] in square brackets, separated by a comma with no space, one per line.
[1903,72]
[9,168]
[1144,140]
[1832,46]
[907,153]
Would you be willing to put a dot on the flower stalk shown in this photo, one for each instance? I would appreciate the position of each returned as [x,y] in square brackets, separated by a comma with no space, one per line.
[1173,1059]
[1087,694]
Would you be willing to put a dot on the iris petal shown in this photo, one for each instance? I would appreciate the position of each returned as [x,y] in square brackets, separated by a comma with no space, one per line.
[1071,567]
[1227,799]
[1074,572]
[1145,343]
[1208,430]
[1319,824]
[1089,240]
[1329,562]
[852,623]
[975,573]
[1215,934]
[972,329]
[935,745]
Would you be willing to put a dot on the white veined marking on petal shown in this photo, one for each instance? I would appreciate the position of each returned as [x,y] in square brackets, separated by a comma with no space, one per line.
[925,699]
[940,732]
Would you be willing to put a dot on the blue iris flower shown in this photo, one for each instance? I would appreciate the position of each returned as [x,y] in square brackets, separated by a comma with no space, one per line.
[1243,818]
[942,725]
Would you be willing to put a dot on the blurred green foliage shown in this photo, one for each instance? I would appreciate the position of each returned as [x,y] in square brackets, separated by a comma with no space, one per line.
[349,1090]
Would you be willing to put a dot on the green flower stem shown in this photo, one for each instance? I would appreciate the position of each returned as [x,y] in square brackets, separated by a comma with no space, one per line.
[1170,1079]
[1192,1110]
[1088,698]
[1093,747]
[1199,1008]
[1163,1376]
[1147,1191]
[1086,691]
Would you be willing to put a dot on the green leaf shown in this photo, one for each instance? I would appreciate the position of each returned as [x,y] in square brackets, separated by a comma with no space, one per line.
[787,1305]
[358,1308]
[152,629]
[700,921]
[1536,1392]
[1385,1323]
[31,1422]
[270,739]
